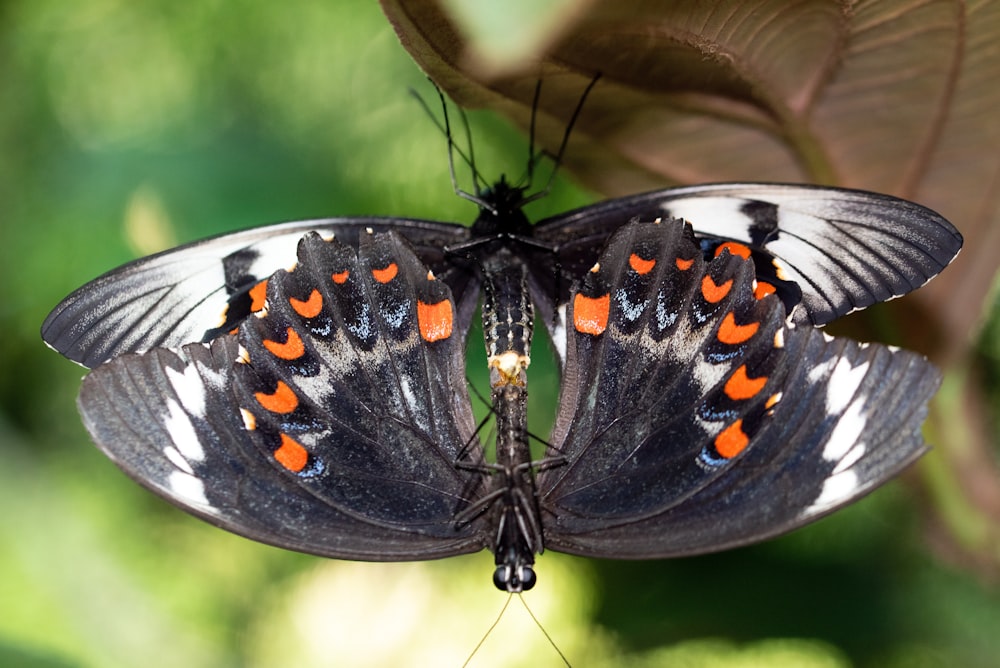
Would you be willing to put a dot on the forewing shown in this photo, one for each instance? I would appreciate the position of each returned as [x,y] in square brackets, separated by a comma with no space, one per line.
[844,249]
[202,290]
[330,424]
[694,417]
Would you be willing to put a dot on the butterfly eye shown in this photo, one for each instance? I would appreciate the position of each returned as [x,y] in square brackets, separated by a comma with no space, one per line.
[514,579]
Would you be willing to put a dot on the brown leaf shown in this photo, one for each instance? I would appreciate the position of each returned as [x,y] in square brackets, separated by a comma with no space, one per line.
[893,96]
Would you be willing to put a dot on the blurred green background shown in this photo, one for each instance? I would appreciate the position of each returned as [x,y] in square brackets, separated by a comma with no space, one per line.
[129,127]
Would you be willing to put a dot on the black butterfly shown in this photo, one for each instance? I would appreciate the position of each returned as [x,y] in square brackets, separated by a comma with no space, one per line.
[324,408]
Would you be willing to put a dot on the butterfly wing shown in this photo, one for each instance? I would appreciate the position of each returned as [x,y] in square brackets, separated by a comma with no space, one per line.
[201,290]
[843,249]
[330,424]
[694,417]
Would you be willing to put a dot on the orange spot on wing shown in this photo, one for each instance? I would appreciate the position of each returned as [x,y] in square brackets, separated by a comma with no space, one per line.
[730,333]
[435,320]
[282,400]
[258,294]
[713,293]
[340,277]
[683,264]
[732,440]
[309,308]
[590,315]
[641,266]
[291,349]
[387,274]
[734,248]
[740,386]
[763,289]
[291,454]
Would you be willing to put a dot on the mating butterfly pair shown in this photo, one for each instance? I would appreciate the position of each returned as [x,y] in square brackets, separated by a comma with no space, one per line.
[324,408]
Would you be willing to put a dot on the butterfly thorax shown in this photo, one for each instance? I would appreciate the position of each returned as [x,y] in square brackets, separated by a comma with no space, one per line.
[508,318]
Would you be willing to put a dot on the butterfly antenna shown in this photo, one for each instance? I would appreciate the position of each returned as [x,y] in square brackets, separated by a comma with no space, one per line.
[544,632]
[565,141]
[452,149]
[533,158]
[477,178]
[490,630]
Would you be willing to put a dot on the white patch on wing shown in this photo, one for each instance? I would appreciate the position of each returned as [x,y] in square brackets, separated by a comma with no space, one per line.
[182,432]
[716,216]
[852,457]
[189,488]
[836,489]
[559,333]
[408,395]
[274,253]
[846,433]
[212,378]
[189,388]
[843,384]
[177,459]
[816,373]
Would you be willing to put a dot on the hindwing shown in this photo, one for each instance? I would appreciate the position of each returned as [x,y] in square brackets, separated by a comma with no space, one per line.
[694,417]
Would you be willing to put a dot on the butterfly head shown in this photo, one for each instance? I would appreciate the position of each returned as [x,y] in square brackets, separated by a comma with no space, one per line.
[501,210]
[514,573]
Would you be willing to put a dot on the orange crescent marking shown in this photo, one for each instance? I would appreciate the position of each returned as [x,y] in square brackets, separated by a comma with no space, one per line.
[763,289]
[734,248]
[641,266]
[341,277]
[732,440]
[683,264]
[309,308]
[730,333]
[713,293]
[258,294]
[291,349]
[740,386]
[387,274]
[291,454]
[435,320]
[282,400]
[590,315]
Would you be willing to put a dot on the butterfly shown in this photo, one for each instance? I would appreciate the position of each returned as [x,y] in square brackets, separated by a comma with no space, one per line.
[303,384]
